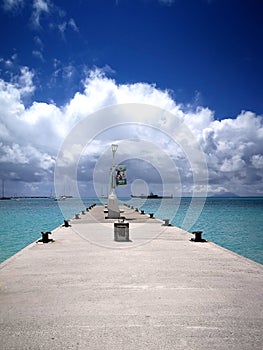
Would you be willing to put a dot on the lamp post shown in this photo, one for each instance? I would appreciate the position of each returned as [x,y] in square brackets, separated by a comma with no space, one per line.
[113,207]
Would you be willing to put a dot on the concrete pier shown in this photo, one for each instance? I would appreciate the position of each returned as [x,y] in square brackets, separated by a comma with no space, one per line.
[160,290]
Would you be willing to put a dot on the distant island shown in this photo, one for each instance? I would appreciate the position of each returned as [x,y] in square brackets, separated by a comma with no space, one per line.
[225,194]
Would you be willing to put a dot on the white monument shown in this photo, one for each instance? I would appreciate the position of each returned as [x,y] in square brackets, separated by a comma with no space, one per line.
[113,206]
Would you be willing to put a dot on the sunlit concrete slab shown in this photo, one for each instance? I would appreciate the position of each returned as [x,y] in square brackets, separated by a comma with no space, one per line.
[159,290]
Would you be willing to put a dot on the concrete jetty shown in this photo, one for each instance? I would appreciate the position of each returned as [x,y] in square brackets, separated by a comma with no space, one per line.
[159,290]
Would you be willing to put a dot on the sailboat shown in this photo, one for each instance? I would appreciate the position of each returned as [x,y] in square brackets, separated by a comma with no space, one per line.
[103,195]
[63,196]
[3,192]
[51,195]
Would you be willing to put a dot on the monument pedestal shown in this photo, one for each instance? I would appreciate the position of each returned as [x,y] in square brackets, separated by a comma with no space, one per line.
[113,207]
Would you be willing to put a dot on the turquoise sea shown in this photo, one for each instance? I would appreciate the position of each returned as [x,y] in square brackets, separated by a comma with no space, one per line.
[233,223]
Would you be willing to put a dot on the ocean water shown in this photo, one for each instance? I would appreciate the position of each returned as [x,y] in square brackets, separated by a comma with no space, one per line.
[233,223]
[23,220]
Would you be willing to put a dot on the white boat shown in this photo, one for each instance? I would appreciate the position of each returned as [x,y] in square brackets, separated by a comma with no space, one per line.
[60,198]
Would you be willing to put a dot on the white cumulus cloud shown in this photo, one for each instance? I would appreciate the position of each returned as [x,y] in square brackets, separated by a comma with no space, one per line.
[257,161]
[40,8]
[31,135]
[11,5]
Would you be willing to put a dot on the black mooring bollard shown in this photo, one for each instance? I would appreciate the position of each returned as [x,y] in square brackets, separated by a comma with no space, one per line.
[151,215]
[66,223]
[166,222]
[142,212]
[45,238]
[198,236]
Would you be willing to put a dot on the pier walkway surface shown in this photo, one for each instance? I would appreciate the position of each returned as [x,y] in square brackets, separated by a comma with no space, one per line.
[158,291]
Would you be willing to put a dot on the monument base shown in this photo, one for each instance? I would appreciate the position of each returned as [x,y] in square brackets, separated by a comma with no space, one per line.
[113,207]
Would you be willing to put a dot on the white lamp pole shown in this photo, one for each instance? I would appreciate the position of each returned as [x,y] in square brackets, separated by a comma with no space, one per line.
[114,150]
[113,207]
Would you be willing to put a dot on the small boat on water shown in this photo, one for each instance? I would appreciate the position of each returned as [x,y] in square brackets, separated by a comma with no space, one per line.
[150,196]
[62,198]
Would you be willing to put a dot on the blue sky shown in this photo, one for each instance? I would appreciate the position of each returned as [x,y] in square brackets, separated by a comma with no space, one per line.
[208,52]
[200,58]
